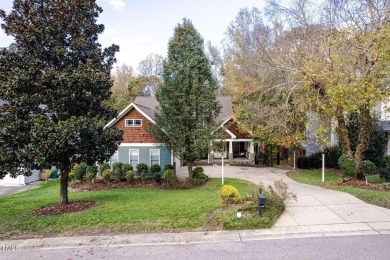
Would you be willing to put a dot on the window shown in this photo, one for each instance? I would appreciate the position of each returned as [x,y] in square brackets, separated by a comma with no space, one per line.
[133,122]
[155,157]
[134,157]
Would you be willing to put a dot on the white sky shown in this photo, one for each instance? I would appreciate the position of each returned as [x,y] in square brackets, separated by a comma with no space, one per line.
[141,27]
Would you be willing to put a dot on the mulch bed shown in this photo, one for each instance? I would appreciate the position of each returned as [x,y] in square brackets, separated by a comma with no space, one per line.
[58,208]
[360,185]
[137,183]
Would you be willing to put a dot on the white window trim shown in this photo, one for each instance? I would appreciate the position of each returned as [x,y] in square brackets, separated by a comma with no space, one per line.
[133,124]
[150,156]
[130,155]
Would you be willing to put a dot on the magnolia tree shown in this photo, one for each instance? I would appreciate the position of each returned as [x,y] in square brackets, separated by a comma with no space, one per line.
[53,84]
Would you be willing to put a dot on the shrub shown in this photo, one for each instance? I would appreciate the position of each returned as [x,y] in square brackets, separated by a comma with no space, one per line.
[80,171]
[197,172]
[386,185]
[384,174]
[106,175]
[127,167]
[141,167]
[332,155]
[386,161]
[281,189]
[170,178]
[347,165]
[103,167]
[143,176]
[157,177]
[117,169]
[195,181]
[90,177]
[168,167]
[368,168]
[91,168]
[229,194]
[155,168]
[130,176]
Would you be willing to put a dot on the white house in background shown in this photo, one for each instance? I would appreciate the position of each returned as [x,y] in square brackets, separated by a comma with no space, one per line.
[312,144]
[20,179]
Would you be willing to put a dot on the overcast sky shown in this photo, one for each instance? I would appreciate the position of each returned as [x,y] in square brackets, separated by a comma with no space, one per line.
[141,27]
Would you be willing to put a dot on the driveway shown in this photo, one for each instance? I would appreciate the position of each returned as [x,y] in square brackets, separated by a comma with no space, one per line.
[314,205]
[9,190]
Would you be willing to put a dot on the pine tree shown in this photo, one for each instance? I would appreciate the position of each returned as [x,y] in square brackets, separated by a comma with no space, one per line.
[187,98]
[53,84]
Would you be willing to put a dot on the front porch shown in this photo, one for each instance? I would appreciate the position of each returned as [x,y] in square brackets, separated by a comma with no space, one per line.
[234,151]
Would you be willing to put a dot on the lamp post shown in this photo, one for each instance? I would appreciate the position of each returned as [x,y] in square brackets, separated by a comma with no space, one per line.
[222,169]
[323,167]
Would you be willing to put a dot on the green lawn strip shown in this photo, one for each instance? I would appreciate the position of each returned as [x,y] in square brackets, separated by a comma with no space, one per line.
[374,179]
[118,210]
[313,177]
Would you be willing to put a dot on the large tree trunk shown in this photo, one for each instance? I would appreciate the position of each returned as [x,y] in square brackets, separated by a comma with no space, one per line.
[65,168]
[362,136]
[343,131]
[189,166]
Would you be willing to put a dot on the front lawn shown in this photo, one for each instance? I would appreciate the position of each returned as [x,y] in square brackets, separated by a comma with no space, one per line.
[119,210]
[313,177]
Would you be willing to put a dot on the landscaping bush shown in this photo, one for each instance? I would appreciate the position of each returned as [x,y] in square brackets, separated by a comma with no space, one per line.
[157,176]
[170,178]
[332,155]
[386,161]
[384,174]
[90,177]
[195,181]
[127,167]
[347,165]
[197,172]
[91,168]
[143,176]
[103,167]
[386,186]
[106,174]
[168,167]
[141,167]
[117,169]
[130,176]
[368,168]
[155,168]
[229,194]
[79,171]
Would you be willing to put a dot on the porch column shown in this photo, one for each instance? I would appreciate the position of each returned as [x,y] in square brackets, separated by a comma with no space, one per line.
[251,153]
[230,151]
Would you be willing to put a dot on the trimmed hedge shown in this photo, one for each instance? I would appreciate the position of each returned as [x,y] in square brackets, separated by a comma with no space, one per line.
[314,161]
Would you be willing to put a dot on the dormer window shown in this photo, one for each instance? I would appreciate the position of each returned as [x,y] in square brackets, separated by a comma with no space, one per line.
[133,122]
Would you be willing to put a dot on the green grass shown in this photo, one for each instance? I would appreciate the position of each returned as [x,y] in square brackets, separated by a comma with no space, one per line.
[119,210]
[313,177]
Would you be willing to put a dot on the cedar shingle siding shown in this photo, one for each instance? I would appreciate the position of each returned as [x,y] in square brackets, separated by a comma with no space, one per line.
[135,134]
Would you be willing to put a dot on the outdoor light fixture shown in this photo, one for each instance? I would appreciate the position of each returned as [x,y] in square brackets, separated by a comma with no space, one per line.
[239,216]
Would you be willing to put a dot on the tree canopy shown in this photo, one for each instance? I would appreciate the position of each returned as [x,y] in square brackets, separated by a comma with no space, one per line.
[184,122]
[53,83]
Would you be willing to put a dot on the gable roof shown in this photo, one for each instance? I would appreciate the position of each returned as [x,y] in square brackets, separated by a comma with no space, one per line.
[147,106]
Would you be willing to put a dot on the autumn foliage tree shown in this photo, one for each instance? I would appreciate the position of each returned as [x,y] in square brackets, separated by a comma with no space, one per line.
[329,58]
[53,85]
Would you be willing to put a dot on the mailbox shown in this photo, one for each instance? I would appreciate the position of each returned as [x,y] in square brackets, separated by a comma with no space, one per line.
[262,200]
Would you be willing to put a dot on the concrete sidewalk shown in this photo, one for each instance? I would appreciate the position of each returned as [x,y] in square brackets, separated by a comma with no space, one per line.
[317,212]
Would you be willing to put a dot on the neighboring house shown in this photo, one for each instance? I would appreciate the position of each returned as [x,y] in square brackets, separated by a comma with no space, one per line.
[139,146]
[312,144]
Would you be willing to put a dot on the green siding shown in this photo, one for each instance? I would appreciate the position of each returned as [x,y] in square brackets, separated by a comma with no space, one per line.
[144,154]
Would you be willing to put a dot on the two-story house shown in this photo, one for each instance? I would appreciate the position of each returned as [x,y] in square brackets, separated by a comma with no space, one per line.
[139,146]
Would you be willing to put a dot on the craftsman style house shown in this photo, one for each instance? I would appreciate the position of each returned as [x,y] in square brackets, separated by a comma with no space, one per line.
[139,146]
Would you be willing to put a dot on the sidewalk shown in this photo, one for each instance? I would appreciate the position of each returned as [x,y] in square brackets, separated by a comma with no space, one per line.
[317,212]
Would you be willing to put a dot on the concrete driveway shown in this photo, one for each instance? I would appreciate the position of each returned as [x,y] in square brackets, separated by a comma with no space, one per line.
[9,190]
[315,206]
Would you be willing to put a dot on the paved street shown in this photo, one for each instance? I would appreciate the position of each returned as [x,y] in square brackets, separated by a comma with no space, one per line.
[350,247]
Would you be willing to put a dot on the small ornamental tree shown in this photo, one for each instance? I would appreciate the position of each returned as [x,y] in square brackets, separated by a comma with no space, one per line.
[53,83]
[187,97]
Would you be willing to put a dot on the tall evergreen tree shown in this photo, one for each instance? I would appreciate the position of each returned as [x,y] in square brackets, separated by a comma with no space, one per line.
[53,84]
[187,97]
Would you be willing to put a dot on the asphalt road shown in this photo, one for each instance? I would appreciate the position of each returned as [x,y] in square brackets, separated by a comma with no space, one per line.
[342,247]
